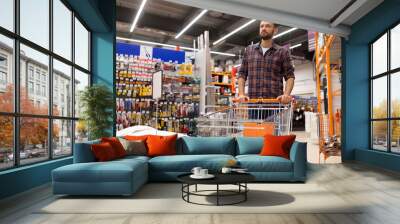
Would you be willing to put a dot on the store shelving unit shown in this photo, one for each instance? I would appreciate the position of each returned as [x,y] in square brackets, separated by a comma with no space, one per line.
[329,143]
[175,111]
[224,83]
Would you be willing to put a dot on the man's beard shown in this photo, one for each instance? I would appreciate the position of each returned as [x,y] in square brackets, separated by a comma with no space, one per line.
[267,36]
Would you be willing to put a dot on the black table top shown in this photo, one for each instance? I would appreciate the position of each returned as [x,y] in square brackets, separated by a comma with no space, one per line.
[220,178]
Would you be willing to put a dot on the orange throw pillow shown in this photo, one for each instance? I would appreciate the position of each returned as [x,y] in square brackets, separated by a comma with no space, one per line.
[103,152]
[161,145]
[136,138]
[116,145]
[277,145]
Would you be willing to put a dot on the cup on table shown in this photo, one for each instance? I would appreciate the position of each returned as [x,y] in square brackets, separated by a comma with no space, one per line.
[226,170]
[196,171]
[203,172]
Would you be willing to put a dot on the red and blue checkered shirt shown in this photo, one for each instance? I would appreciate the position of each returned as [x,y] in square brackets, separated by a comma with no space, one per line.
[265,73]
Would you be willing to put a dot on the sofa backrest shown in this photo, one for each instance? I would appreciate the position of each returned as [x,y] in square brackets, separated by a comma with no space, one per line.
[206,145]
[249,145]
[83,152]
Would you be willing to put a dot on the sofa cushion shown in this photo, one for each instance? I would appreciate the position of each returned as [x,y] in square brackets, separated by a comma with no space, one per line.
[128,159]
[207,145]
[277,145]
[185,163]
[161,145]
[116,145]
[136,138]
[134,147]
[112,171]
[103,152]
[257,163]
[249,145]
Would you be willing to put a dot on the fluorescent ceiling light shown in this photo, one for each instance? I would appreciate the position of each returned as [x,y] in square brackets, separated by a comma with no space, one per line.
[170,46]
[284,33]
[235,31]
[222,53]
[137,15]
[146,42]
[191,23]
[294,46]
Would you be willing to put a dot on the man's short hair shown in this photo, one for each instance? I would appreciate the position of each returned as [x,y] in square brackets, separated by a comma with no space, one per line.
[275,26]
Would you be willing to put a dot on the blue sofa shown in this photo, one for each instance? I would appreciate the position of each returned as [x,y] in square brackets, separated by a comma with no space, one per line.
[125,176]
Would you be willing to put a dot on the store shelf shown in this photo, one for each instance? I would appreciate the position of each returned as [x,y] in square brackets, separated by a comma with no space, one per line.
[221,84]
[221,74]
[139,97]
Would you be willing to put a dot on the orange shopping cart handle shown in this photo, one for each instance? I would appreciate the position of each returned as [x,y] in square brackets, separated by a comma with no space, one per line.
[257,100]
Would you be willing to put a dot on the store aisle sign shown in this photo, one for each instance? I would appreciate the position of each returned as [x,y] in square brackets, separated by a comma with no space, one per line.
[129,49]
[146,51]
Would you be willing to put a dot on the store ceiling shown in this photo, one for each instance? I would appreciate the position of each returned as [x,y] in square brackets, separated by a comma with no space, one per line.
[162,20]
[327,16]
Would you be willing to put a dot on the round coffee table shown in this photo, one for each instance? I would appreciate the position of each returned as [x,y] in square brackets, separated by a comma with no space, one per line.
[238,179]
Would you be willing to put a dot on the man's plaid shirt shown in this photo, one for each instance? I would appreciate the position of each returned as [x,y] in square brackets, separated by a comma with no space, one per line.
[265,73]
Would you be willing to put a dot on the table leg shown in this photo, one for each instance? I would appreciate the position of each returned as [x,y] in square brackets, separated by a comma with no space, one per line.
[217,194]
[188,190]
[245,193]
[182,189]
[196,188]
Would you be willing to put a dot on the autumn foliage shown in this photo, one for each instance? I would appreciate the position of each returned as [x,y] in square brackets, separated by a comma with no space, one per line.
[33,131]
[380,127]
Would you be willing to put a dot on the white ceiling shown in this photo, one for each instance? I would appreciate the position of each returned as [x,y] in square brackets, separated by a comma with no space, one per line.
[315,15]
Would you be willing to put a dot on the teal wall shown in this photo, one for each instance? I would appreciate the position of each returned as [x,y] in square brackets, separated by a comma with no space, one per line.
[99,16]
[356,99]
[103,51]
[24,178]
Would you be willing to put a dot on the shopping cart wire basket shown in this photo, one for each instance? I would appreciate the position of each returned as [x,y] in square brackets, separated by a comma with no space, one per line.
[255,117]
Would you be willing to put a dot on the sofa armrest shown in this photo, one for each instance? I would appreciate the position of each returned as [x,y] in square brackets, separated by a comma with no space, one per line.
[298,155]
[83,152]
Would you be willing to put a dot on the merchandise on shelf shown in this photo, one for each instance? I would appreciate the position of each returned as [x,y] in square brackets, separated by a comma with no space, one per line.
[175,111]
[181,89]
[225,90]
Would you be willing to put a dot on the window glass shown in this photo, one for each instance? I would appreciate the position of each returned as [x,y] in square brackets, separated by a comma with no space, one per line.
[34,21]
[62,91]
[395,47]
[81,131]
[81,82]
[39,61]
[395,95]
[379,135]
[6,142]
[33,140]
[7,14]
[62,29]
[6,74]
[62,138]
[34,77]
[379,97]
[81,45]
[379,56]
[395,138]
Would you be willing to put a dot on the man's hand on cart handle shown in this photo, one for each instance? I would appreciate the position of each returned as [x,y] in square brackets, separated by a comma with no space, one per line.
[242,98]
[284,99]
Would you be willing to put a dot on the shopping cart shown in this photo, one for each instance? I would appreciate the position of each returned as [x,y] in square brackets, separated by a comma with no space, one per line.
[255,117]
